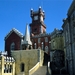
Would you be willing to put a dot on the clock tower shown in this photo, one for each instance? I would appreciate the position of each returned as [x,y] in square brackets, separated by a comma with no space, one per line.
[37,26]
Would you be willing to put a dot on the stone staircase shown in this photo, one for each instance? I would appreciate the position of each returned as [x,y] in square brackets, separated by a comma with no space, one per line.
[42,70]
[60,74]
[22,73]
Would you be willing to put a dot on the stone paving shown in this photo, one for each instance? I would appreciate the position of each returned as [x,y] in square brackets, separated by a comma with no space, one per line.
[42,70]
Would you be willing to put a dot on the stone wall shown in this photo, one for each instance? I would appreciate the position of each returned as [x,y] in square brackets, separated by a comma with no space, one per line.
[41,42]
[5,70]
[57,43]
[31,71]
[29,58]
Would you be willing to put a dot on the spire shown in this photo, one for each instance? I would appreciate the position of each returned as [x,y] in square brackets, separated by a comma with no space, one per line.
[27,37]
[26,43]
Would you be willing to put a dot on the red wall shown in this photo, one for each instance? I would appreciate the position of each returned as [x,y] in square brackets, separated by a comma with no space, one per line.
[42,39]
[12,38]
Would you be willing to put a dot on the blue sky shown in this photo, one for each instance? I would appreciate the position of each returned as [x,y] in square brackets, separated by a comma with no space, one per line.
[16,13]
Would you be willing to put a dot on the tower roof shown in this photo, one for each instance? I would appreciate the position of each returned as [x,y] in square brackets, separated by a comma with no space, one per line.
[27,37]
[39,11]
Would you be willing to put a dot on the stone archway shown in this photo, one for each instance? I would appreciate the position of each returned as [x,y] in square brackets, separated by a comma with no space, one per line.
[46,58]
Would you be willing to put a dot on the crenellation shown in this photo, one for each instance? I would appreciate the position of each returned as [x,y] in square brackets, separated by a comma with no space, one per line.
[9,59]
[41,35]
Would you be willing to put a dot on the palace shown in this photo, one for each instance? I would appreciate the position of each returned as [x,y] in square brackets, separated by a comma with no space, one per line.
[26,53]
[37,38]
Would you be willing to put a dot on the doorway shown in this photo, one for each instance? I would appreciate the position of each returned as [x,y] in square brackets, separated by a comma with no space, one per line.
[46,58]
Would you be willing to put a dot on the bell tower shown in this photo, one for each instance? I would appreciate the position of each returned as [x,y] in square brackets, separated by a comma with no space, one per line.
[37,26]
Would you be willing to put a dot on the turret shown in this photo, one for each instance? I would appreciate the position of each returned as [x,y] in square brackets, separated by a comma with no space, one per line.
[26,43]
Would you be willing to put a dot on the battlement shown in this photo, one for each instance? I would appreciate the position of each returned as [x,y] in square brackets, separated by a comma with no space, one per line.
[3,53]
[57,33]
[9,59]
[41,35]
[40,11]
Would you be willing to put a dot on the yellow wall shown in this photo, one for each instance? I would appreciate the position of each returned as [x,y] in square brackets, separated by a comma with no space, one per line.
[28,57]
[2,62]
[31,71]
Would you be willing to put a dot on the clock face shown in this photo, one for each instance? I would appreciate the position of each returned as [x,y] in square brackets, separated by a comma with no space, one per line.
[35,17]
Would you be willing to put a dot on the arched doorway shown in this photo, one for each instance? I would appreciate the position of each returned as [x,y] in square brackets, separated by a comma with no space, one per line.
[22,67]
[46,58]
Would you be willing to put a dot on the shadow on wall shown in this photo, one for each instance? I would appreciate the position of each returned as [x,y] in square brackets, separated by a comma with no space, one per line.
[46,58]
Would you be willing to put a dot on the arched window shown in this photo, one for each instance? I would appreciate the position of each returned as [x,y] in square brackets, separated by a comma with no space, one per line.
[46,48]
[35,45]
[53,44]
[12,46]
[41,29]
[38,40]
[22,67]
[42,45]
[46,39]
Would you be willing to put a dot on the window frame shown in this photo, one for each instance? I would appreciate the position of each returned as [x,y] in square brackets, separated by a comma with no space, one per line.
[12,46]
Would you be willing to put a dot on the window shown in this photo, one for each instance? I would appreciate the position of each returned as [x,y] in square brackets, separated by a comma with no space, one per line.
[74,46]
[74,30]
[41,29]
[39,47]
[46,48]
[35,45]
[66,35]
[35,30]
[73,17]
[35,17]
[42,45]
[7,68]
[10,68]
[22,67]
[38,40]
[12,46]
[53,44]
[41,18]
[46,39]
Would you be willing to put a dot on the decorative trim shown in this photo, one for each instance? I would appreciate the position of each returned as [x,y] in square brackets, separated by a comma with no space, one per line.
[16,31]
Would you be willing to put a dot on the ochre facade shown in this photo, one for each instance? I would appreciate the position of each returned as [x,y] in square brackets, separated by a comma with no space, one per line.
[7,65]
[27,57]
